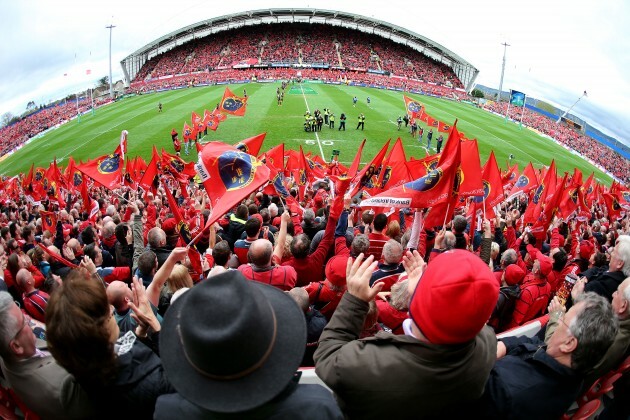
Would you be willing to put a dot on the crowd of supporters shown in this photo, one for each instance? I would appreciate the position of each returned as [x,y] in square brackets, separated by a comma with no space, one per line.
[604,156]
[86,290]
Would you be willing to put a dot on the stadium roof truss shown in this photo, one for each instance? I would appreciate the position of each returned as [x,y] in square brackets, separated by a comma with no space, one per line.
[465,71]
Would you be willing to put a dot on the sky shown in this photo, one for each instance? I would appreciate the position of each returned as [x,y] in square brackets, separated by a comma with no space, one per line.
[558,49]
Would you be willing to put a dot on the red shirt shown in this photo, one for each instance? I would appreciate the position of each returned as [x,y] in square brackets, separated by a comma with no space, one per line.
[35,304]
[377,242]
[282,277]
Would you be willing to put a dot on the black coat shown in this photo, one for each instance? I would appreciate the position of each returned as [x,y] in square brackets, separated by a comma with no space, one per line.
[297,402]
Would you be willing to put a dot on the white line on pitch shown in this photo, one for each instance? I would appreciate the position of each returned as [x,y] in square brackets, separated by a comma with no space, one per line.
[316,135]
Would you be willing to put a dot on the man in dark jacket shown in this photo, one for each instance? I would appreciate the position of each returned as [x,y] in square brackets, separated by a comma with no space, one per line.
[231,348]
[533,381]
[444,357]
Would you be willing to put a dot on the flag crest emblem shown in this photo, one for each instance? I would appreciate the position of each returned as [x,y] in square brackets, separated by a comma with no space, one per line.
[39,174]
[522,181]
[237,169]
[77,178]
[538,193]
[109,165]
[427,182]
[487,188]
[414,106]
[232,104]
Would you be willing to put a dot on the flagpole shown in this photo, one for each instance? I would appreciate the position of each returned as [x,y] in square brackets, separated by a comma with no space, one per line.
[448,206]
[507,113]
[523,112]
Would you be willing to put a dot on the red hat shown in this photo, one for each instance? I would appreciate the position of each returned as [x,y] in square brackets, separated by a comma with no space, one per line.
[66,232]
[586,249]
[545,264]
[259,217]
[169,225]
[513,274]
[454,298]
[336,270]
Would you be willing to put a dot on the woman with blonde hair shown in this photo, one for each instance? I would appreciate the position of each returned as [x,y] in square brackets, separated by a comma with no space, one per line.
[393,230]
[179,279]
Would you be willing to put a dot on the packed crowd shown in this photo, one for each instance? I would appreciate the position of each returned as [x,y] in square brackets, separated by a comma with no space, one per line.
[398,318]
[604,156]
[16,134]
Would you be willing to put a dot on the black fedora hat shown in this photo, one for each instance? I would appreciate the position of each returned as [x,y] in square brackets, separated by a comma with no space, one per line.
[230,345]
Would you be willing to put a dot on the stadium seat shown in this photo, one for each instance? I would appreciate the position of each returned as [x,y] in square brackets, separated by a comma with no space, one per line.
[529,329]
[310,377]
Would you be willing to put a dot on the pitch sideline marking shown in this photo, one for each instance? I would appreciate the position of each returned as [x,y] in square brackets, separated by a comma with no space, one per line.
[316,135]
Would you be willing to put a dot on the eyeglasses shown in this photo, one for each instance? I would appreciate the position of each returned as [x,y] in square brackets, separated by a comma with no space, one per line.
[26,321]
[561,319]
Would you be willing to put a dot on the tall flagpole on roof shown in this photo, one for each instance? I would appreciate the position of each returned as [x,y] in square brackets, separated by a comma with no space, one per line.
[78,113]
[571,107]
[505,45]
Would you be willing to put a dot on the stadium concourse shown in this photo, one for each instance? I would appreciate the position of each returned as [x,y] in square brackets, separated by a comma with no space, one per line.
[170,299]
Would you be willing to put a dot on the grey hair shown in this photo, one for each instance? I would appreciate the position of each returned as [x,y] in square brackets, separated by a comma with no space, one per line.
[360,243]
[495,247]
[449,240]
[8,324]
[508,257]
[308,216]
[400,297]
[623,253]
[595,328]
[392,252]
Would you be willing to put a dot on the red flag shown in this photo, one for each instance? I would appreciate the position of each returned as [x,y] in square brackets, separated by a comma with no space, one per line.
[433,123]
[444,127]
[546,216]
[510,176]
[106,170]
[73,176]
[316,166]
[588,187]
[434,188]
[471,169]
[90,205]
[210,120]
[123,144]
[58,257]
[394,171]
[492,186]
[274,158]
[251,145]
[188,132]
[419,168]
[197,122]
[539,199]
[49,221]
[181,170]
[228,175]
[232,104]
[367,178]
[184,233]
[414,108]
[301,173]
[39,185]
[53,178]
[352,172]
[129,179]
[613,206]
[150,179]
[28,179]
[526,182]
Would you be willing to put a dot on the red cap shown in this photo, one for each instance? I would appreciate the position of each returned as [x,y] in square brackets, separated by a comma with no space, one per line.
[586,249]
[169,225]
[545,264]
[513,274]
[259,217]
[454,298]
[66,232]
[336,270]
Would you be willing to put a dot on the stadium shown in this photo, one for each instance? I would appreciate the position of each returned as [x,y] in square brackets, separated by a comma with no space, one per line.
[275,146]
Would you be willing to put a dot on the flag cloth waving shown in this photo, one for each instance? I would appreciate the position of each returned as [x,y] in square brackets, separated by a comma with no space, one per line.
[413,107]
[232,104]
[433,188]
[228,176]
[251,145]
[106,170]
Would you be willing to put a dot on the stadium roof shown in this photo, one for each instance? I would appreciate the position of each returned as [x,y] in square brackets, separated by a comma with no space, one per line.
[466,72]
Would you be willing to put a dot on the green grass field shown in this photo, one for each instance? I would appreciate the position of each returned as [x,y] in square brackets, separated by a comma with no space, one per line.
[99,134]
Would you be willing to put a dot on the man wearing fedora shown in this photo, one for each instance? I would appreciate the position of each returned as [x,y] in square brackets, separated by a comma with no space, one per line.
[443,359]
[231,348]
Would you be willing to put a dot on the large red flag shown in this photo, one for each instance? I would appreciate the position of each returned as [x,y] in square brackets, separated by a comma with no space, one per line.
[73,176]
[228,176]
[471,170]
[232,104]
[106,170]
[551,207]
[588,187]
[367,178]
[613,206]
[526,182]
[420,167]
[274,157]
[251,145]
[413,107]
[90,206]
[188,132]
[301,173]
[150,178]
[435,187]
[54,182]
[510,176]
[28,179]
[197,122]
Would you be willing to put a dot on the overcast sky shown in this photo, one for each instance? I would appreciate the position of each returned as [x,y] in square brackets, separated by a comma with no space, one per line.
[557,49]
